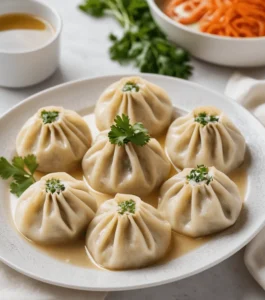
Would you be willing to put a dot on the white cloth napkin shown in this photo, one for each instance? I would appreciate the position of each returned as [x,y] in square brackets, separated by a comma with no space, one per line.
[250,93]
[15,286]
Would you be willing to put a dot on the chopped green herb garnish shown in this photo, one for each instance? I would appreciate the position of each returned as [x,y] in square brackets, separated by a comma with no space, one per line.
[127,206]
[131,87]
[54,186]
[142,41]
[21,171]
[49,116]
[123,132]
[204,119]
[200,174]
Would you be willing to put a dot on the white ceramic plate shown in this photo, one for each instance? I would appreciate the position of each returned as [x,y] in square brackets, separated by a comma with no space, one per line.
[78,95]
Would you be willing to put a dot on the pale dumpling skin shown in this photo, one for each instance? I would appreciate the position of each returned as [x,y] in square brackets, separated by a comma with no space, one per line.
[197,209]
[126,169]
[58,146]
[130,240]
[219,144]
[55,218]
[150,105]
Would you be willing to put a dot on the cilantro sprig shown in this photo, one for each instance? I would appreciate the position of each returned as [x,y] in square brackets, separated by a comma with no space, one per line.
[142,41]
[127,206]
[131,87]
[49,116]
[122,132]
[54,185]
[200,174]
[21,170]
[204,119]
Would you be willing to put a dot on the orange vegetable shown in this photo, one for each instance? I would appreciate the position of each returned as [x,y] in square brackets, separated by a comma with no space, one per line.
[234,18]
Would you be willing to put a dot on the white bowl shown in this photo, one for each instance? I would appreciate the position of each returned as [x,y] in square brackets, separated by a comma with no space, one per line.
[25,68]
[227,51]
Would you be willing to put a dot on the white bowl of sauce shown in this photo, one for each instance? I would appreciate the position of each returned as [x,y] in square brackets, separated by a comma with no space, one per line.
[221,50]
[29,42]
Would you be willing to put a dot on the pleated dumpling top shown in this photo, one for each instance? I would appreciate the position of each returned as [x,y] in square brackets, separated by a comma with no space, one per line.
[127,233]
[139,99]
[55,210]
[58,137]
[205,136]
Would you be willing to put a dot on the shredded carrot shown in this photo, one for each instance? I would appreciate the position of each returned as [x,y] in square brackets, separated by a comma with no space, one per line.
[234,18]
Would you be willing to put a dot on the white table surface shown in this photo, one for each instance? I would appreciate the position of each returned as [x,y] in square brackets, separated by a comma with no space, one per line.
[84,54]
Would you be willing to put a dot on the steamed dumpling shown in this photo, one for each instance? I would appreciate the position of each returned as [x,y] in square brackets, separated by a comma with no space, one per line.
[201,201]
[127,233]
[59,138]
[205,136]
[54,210]
[130,169]
[140,99]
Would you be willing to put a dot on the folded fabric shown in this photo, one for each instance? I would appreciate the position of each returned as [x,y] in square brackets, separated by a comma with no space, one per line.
[250,93]
[15,286]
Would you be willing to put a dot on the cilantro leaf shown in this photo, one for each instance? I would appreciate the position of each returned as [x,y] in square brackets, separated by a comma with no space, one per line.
[123,132]
[18,162]
[54,186]
[204,119]
[49,116]
[200,174]
[19,188]
[21,171]
[127,206]
[142,41]
[31,163]
[6,169]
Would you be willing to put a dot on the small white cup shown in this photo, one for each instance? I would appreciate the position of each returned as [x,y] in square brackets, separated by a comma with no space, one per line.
[25,68]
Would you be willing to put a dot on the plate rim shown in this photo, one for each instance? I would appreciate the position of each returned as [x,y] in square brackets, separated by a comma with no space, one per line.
[153,283]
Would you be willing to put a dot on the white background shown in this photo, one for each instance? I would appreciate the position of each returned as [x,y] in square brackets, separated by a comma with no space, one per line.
[84,54]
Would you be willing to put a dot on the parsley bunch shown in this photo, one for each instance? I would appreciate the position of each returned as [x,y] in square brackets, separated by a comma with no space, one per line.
[126,206]
[204,119]
[123,132]
[200,174]
[142,41]
[21,171]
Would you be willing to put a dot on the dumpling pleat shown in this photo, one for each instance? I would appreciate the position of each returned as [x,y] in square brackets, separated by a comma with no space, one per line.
[198,209]
[194,145]
[145,233]
[228,143]
[75,131]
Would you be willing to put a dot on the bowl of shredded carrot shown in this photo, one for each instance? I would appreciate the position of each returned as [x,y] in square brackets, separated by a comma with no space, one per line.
[225,32]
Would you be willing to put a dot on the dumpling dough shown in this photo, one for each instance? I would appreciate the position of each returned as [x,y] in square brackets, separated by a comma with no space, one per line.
[59,145]
[217,143]
[197,208]
[55,216]
[146,103]
[120,239]
[129,169]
